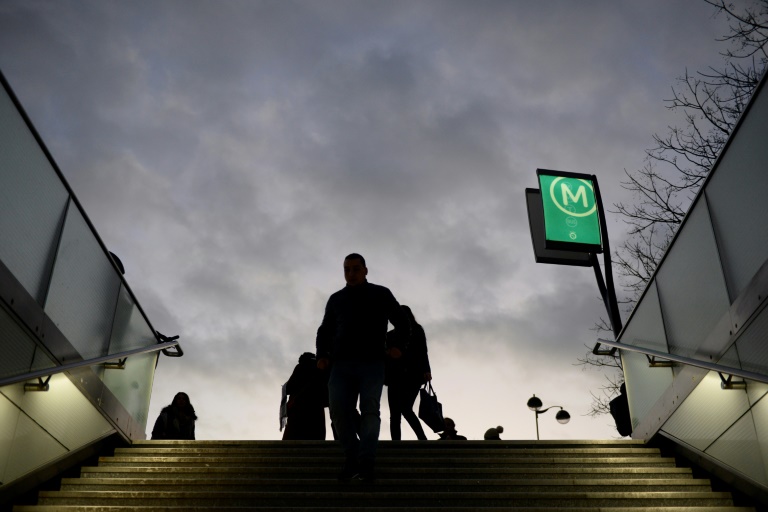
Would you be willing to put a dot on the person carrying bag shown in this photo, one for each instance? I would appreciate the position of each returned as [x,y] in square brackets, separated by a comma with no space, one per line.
[430,409]
[405,377]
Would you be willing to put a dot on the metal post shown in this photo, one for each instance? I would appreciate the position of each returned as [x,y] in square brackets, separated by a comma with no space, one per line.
[609,297]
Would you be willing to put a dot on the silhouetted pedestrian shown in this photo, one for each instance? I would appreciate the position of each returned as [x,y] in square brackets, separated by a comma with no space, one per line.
[404,378]
[353,340]
[619,408]
[492,434]
[176,421]
[450,434]
[307,391]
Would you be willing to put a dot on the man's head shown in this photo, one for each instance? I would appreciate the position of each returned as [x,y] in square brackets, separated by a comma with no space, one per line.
[449,424]
[355,269]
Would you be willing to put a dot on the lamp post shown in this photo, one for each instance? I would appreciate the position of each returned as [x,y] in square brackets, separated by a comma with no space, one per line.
[535,405]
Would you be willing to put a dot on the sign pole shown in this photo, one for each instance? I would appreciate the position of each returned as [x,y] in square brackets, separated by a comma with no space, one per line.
[608,291]
[568,227]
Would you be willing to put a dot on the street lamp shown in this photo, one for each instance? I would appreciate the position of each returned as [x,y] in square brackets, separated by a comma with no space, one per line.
[535,405]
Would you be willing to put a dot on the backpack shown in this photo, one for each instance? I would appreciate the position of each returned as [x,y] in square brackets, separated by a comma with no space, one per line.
[619,408]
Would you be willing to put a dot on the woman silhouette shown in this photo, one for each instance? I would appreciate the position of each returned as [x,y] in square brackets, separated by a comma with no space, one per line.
[404,378]
[176,421]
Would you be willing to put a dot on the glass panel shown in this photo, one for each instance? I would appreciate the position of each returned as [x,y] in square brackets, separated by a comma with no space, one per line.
[736,194]
[645,385]
[130,330]
[739,448]
[9,418]
[133,385]
[730,358]
[18,349]
[646,328]
[20,352]
[706,413]
[32,202]
[753,344]
[65,413]
[756,391]
[13,393]
[760,415]
[42,361]
[31,445]
[751,353]
[691,285]
[84,289]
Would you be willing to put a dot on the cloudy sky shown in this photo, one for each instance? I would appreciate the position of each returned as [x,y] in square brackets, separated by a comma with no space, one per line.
[233,152]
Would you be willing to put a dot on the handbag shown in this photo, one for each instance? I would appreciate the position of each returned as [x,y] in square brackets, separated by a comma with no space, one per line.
[430,410]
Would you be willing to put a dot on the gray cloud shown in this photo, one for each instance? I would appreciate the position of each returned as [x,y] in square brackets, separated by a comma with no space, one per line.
[231,153]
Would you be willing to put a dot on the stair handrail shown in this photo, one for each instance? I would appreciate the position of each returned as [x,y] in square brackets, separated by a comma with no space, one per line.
[727,370]
[164,346]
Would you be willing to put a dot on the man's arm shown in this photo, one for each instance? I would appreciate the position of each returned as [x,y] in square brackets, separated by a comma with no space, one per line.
[323,355]
[324,339]
[396,344]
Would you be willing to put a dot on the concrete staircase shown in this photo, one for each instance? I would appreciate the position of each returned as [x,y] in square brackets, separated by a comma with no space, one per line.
[607,476]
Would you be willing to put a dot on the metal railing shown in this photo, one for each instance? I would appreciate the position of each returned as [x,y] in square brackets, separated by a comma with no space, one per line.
[667,358]
[48,372]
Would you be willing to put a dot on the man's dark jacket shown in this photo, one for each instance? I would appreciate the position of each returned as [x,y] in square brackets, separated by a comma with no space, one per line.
[355,324]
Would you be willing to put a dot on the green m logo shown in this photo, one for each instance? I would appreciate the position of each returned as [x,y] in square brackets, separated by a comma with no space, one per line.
[572,196]
[571,213]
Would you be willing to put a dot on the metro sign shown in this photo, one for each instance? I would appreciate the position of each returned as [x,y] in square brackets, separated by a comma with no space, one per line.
[571,211]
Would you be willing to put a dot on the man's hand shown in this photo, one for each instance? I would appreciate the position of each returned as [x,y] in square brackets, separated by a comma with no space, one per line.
[323,363]
[394,353]
[427,376]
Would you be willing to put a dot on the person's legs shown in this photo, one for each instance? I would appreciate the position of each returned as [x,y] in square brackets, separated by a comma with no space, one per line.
[371,378]
[343,389]
[317,424]
[394,398]
[409,394]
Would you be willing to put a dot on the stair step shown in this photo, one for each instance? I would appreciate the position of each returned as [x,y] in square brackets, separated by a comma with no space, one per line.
[359,495]
[467,461]
[472,476]
[431,485]
[563,443]
[385,452]
[412,472]
[255,508]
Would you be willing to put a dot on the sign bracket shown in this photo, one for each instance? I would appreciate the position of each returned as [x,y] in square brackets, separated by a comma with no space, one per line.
[568,227]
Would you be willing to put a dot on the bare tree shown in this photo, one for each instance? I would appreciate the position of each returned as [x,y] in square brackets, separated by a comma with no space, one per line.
[711,103]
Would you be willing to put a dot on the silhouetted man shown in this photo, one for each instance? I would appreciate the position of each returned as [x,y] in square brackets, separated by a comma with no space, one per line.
[353,340]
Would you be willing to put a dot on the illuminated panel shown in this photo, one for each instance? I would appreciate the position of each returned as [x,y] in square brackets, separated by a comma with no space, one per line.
[571,211]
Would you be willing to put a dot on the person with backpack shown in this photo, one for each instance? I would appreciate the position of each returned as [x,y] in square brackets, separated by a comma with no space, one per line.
[619,408]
